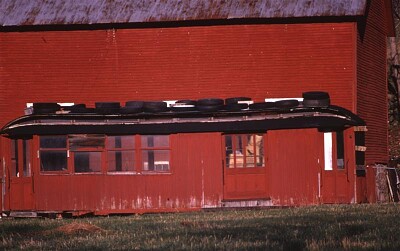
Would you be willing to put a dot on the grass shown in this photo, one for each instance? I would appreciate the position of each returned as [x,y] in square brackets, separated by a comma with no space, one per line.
[334,227]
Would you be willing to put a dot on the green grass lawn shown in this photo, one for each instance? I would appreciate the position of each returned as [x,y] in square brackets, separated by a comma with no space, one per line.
[348,227]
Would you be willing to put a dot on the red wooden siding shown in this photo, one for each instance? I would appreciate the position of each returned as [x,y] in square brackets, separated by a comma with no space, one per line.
[277,60]
[293,176]
[371,83]
[195,182]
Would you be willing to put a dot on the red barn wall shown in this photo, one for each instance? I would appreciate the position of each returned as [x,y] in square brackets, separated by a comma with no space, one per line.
[371,82]
[260,61]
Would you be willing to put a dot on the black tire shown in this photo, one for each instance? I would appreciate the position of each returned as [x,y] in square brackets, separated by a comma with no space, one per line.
[316,102]
[186,102]
[45,108]
[72,108]
[87,110]
[235,100]
[107,105]
[209,108]
[262,105]
[210,102]
[155,106]
[130,110]
[108,110]
[315,95]
[78,106]
[289,103]
[134,104]
[83,110]
[234,107]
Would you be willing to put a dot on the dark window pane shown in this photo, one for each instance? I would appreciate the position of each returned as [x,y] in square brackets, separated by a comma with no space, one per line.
[87,162]
[125,142]
[155,160]
[340,150]
[149,141]
[121,161]
[53,161]
[14,158]
[229,151]
[53,142]
[27,157]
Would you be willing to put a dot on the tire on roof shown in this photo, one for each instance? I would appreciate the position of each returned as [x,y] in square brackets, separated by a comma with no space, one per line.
[262,105]
[210,102]
[315,95]
[155,106]
[235,100]
[288,103]
[233,107]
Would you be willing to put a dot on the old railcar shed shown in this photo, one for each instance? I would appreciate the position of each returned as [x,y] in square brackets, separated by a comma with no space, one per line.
[103,160]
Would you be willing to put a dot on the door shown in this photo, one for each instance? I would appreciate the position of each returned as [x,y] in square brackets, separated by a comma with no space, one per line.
[335,181]
[294,166]
[244,166]
[21,190]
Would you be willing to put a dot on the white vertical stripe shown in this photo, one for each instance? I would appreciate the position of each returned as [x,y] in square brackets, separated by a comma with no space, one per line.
[328,150]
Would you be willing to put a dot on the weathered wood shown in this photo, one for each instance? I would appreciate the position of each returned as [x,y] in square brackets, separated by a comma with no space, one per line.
[38,12]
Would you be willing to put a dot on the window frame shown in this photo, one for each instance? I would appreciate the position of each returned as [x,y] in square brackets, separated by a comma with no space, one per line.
[334,145]
[40,150]
[142,149]
[137,150]
[231,159]
[86,149]
[121,149]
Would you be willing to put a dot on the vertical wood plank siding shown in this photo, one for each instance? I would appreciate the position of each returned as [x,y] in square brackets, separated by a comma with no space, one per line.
[195,181]
[260,61]
[291,184]
[371,83]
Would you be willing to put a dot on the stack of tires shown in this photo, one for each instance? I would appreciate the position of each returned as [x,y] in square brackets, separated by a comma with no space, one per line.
[316,99]
[184,105]
[79,108]
[210,104]
[107,107]
[310,100]
[155,106]
[237,104]
[132,107]
[280,104]
[45,108]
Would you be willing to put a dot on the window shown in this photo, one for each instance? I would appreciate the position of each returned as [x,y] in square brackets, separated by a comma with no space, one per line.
[328,151]
[244,150]
[155,153]
[26,162]
[120,153]
[14,158]
[53,153]
[86,150]
[21,163]
[93,153]
[334,150]
[340,150]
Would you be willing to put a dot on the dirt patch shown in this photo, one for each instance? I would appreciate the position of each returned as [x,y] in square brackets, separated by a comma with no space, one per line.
[79,228]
